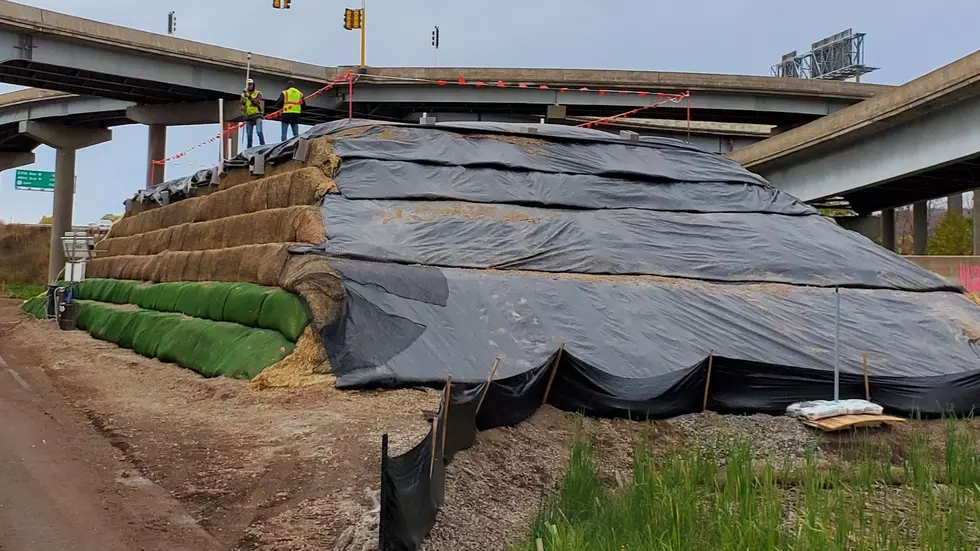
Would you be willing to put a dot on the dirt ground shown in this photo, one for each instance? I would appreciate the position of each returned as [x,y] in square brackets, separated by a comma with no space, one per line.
[297,470]
[283,470]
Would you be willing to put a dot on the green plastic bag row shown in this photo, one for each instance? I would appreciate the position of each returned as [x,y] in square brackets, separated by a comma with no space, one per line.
[37,306]
[242,303]
[211,348]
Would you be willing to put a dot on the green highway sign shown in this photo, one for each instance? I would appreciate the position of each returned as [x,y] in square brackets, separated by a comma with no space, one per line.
[34,180]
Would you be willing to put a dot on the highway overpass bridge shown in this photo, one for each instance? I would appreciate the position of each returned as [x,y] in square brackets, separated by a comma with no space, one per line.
[115,75]
[174,81]
[914,143]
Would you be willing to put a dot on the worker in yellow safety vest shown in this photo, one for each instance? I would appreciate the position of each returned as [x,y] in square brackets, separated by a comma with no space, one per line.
[292,102]
[252,110]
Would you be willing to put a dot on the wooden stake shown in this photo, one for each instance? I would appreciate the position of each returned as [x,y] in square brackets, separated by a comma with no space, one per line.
[445,421]
[551,379]
[493,371]
[707,380]
[867,386]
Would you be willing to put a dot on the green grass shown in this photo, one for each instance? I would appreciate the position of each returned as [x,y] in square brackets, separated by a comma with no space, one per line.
[691,501]
[24,291]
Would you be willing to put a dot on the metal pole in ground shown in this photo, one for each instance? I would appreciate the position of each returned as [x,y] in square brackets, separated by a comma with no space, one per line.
[221,128]
[837,345]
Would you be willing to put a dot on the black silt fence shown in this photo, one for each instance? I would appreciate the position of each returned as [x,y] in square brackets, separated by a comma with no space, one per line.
[413,483]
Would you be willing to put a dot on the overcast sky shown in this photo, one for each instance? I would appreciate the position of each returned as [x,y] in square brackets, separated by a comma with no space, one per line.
[905,39]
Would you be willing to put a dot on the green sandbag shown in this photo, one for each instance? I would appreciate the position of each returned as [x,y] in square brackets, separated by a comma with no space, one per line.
[248,356]
[244,304]
[193,300]
[217,298]
[98,324]
[116,323]
[37,306]
[178,344]
[217,340]
[284,312]
[120,291]
[156,326]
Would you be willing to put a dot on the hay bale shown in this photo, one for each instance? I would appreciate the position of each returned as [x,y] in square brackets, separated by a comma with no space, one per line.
[307,184]
[227,263]
[177,234]
[318,283]
[308,225]
[279,188]
[321,154]
[192,269]
[98,268]
[175,267]
[254,197]
[269,263]
[234,177]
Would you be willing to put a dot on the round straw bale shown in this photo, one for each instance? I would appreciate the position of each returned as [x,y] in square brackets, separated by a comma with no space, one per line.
[304,185]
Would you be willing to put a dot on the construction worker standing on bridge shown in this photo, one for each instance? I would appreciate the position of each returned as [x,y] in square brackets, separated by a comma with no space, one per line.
[252,111]
[292,102]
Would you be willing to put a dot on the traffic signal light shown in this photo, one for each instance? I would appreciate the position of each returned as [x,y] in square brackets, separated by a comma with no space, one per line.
[353,19]
[285,4]
[171,23]
[277,4]
[435,38]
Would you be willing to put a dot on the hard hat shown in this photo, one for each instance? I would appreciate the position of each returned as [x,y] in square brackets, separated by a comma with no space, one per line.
[249,81]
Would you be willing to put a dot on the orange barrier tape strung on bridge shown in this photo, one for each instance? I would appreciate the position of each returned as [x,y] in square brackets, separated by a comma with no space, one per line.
[625,115]
[461,81]
[232,128]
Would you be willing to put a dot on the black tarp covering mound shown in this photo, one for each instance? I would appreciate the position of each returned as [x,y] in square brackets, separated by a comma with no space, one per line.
[460,244]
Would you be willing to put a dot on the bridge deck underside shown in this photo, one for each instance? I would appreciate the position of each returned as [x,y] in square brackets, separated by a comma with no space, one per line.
[939,182]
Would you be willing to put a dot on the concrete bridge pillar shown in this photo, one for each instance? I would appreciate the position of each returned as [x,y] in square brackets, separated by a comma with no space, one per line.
[156,149]
[920,226]
[66,140]
[954,203]
[888,229]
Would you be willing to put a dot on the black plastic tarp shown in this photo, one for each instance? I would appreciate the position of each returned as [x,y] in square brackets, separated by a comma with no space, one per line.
[373,179]
[734,247]
[639,341]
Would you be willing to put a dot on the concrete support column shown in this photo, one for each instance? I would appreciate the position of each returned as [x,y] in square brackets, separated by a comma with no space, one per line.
[888,229]
[66,140]
[156,149]
[920,226]
[954,203]
[64,198]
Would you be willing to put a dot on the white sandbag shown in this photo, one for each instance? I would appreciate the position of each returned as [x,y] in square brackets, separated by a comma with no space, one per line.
[822,409]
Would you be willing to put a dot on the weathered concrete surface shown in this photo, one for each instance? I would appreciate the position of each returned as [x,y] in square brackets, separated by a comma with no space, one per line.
[964,270]
[934,90]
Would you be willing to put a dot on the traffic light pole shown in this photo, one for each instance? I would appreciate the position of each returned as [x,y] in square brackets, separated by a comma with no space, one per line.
[363,29]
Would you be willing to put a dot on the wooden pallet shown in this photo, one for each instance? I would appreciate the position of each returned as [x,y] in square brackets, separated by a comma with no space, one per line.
[844,422]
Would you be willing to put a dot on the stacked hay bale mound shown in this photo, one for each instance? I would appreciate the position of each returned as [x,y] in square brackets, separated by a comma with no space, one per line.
[615,273]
